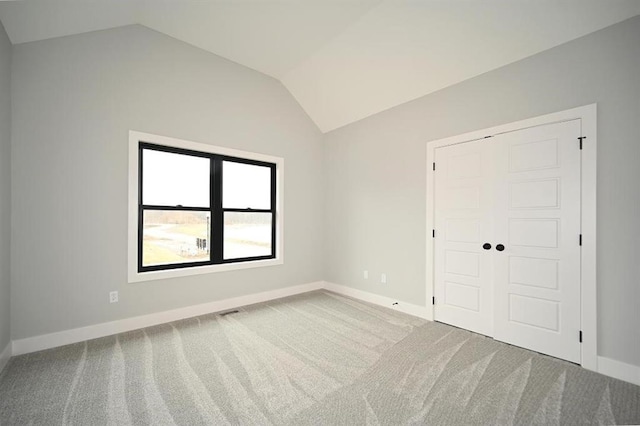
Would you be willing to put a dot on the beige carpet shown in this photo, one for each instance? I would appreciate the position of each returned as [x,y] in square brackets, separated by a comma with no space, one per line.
[317,358]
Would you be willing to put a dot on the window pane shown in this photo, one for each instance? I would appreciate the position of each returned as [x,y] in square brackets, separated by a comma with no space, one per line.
[245,186]
[247,235]
[171,236]
[175,179]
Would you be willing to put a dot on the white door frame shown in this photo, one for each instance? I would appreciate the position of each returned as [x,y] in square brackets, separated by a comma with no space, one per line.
[588,301]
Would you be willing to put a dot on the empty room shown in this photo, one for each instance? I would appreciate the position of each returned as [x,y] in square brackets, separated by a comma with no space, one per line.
[319,212]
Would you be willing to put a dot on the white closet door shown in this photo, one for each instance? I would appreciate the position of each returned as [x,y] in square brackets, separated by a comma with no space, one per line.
[463,221]
[537,219]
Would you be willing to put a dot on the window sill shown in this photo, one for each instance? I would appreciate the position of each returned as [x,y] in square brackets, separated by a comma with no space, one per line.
[135,276]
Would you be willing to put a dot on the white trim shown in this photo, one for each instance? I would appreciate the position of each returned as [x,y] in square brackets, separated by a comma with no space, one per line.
[134,139]
[607,366]
[619,370]
[365,296]
[588,304]
[47,341]
[589,299]
[5,355]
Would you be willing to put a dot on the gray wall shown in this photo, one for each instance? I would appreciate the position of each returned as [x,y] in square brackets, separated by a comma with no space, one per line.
[75,99]
[5,187]
[376,168]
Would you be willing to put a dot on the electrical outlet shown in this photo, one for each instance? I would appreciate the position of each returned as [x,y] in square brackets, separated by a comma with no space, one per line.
[365,275]
[383,278]
[113,297]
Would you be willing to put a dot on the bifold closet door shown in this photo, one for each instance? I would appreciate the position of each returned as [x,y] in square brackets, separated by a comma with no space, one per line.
[507,234]
[463,221]
[537,219]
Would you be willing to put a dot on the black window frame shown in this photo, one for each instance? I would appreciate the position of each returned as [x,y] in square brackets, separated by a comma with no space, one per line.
[215,209]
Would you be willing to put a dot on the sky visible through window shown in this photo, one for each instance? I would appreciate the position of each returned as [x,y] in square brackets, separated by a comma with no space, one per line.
[245,186]
[170,179]
[179,236]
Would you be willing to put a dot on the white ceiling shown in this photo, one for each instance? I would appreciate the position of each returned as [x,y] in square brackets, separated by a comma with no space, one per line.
[343,60]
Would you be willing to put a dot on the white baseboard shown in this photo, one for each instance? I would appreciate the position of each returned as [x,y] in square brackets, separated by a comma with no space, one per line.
[66,337]
[48,341]
[607,366]
[619,370]
[407,308]
[4,356]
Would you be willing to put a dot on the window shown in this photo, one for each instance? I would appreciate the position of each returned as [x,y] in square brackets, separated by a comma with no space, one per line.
[201,208]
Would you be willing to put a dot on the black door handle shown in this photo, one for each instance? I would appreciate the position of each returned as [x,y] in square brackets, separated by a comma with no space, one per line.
[486,246]
[499,247]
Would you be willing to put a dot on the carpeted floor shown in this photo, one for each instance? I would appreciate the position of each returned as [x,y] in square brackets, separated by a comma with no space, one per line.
[317,358]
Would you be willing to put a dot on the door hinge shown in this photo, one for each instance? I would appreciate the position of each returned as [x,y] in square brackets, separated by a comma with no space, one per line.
[433,233]
[580,336]
[434,166]
[433,300]
[580,239]
[580,139]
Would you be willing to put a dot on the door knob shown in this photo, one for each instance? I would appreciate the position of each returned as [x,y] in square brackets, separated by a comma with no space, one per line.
[499,247]
[486,246]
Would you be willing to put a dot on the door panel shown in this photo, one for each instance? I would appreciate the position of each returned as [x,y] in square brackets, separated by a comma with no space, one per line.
[530,232]
[537,218]
[534,272]
[531,155]
[463,222]
[534,312]
[534,194]
[463,230]
[462,296]
[462,263]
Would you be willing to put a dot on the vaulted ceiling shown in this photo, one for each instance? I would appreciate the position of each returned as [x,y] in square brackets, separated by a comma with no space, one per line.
[343,60]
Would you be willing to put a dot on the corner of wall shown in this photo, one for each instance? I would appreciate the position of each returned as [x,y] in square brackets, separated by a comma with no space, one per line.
[6,53]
